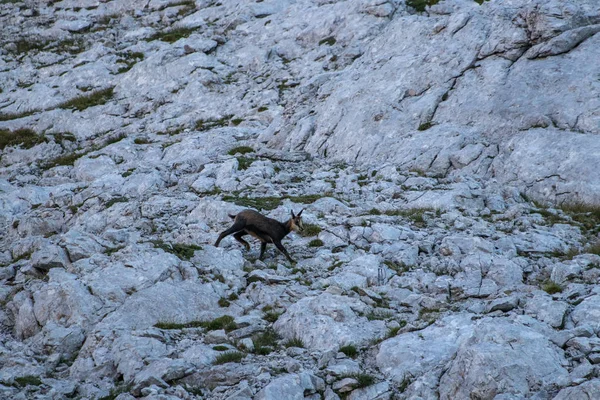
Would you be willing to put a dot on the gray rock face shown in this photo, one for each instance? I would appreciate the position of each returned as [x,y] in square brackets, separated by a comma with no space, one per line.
[445,159]
[326,322]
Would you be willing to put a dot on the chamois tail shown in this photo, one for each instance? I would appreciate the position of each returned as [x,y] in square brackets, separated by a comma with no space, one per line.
[231,216]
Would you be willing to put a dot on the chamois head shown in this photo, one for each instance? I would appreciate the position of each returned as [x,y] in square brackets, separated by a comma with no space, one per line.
[296,222]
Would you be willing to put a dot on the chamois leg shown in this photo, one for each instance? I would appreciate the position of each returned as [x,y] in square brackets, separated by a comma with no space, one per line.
[235,228]
[283,250]
[238,237]
[263,246]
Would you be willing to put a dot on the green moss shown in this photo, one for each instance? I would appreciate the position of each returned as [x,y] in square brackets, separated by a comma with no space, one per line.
[236,121]
[96,98]
[23,137]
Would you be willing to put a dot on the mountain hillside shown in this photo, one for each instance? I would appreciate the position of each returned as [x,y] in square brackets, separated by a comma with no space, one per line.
[445,156]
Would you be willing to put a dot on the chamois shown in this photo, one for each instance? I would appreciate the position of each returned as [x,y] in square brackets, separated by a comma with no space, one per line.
[267,230]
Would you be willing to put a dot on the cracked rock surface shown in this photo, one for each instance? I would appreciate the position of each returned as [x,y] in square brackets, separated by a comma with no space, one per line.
[446,161]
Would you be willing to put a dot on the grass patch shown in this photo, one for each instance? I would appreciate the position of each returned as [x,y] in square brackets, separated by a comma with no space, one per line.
[115,200]
[294,342]
[329,41]
[262,109]
[424,126]
[315,243]
[310,230]
[265,342]
[244,163]
[223,302]
[67,159]
[141,141]
[172,132]
[593,248]
[271,316]
[240,150]
[398,267]
[220,348]
[379,315]
[24,137]
[128,59]
[236,121]
[204,125]
[11,116]
[225,322]
[229,356]
[174,325]
[416,215]
[587,215]
[183,251]
[28,380]
[363,380]
[171,35]
[551,287]
[261,203]
[374,211]
[420,5]
[349,350]
[95,98]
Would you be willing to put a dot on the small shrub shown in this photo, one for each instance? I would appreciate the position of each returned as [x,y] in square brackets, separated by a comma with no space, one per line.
[349,350]
[128,59]
[229,356]
[233,296]
[315,243]
[551,287]
[392,332]
[424,126]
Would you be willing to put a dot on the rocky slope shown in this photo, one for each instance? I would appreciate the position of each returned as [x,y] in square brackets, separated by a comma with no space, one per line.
[446,161]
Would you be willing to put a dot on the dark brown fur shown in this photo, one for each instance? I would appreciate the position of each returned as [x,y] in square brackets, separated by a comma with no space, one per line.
[267,230]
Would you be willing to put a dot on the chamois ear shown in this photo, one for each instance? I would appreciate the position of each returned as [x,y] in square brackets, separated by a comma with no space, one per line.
[300,213]
[293,216]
